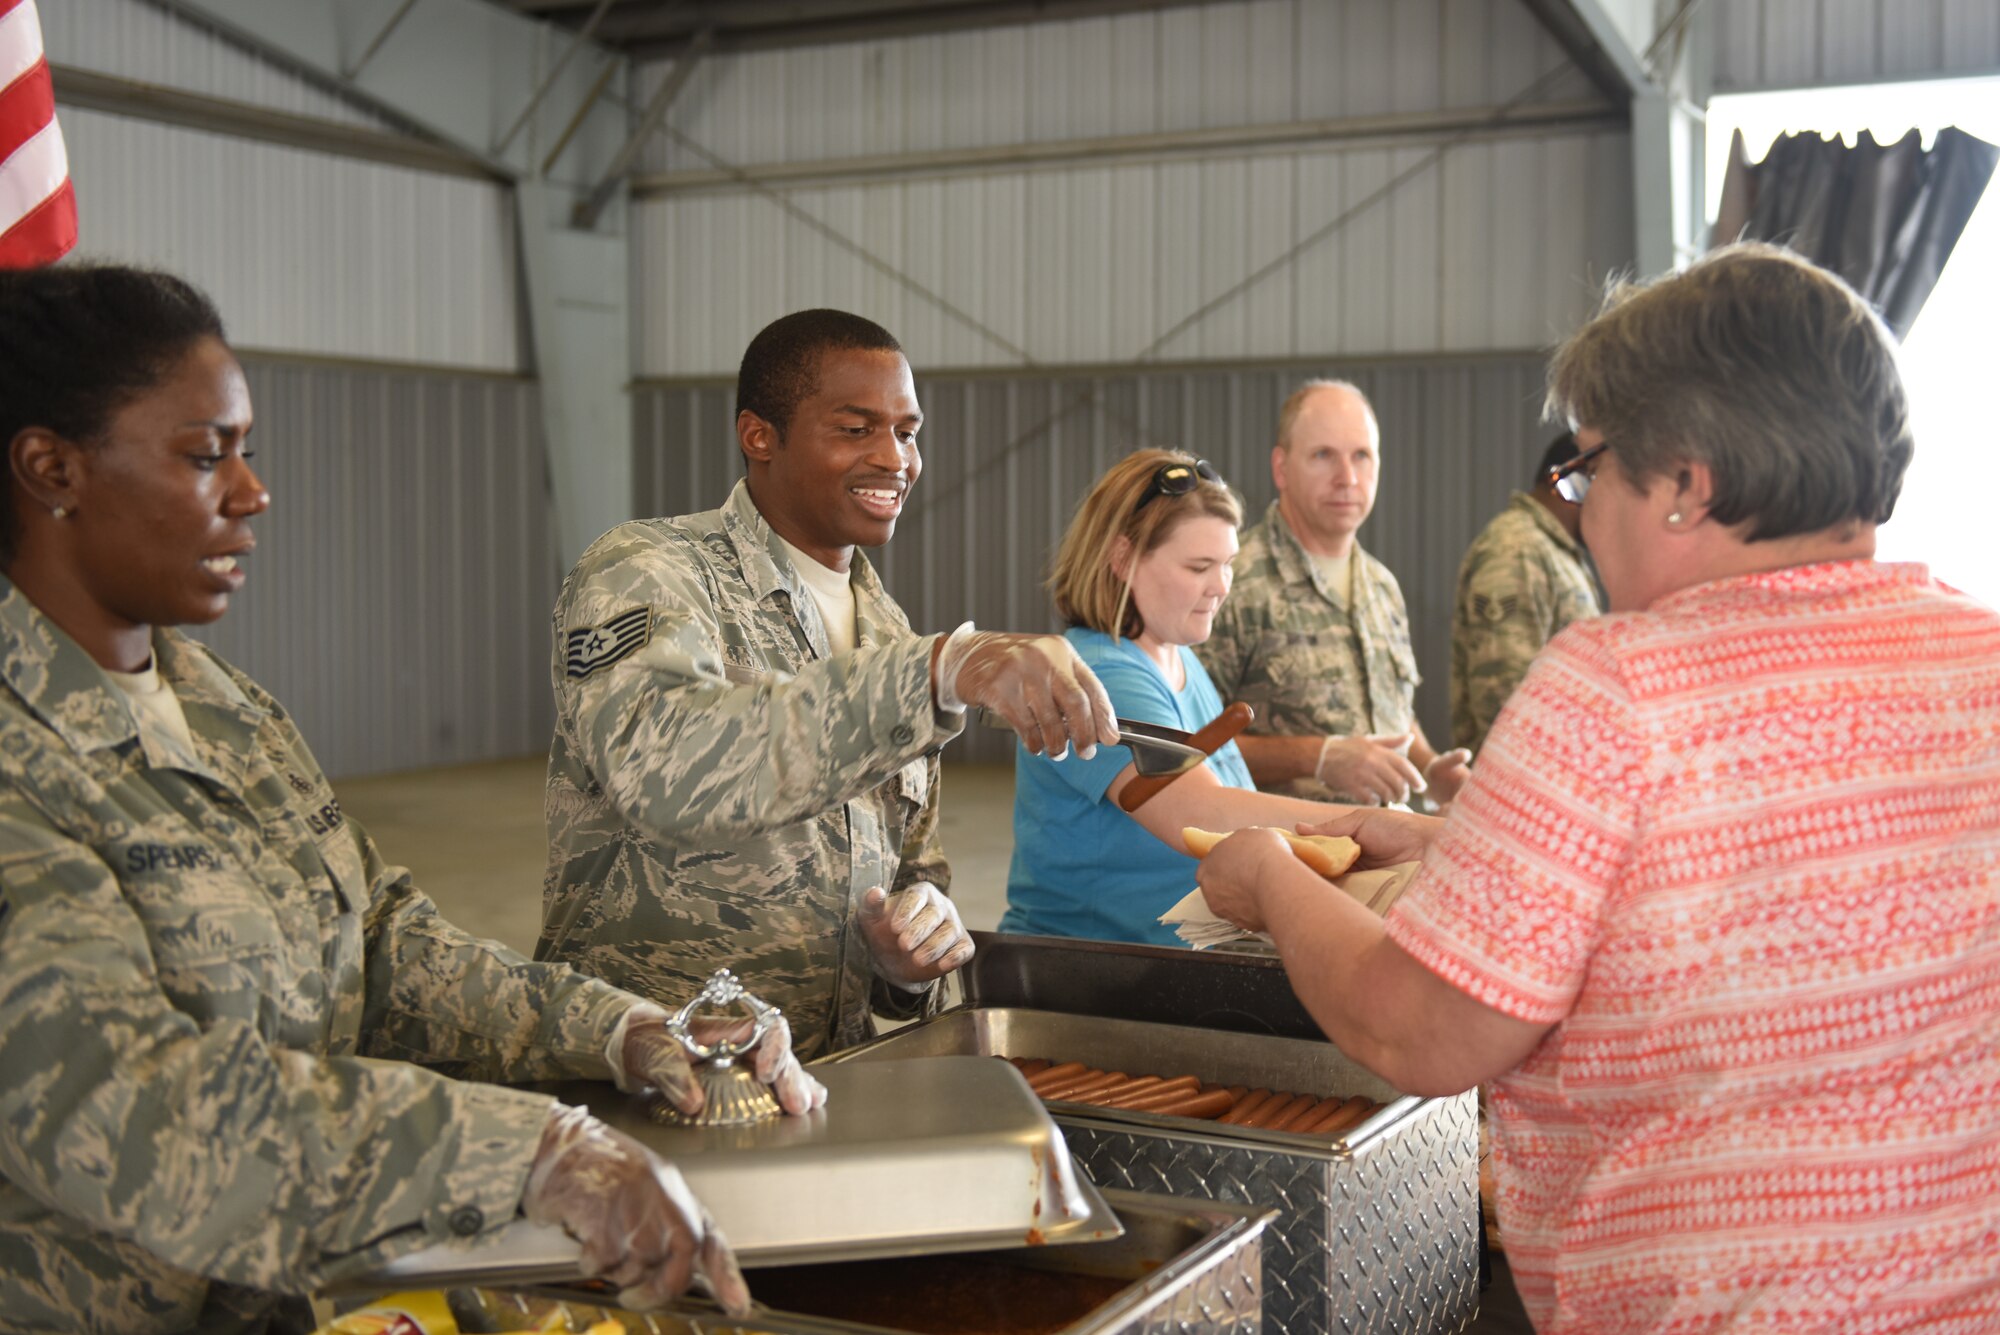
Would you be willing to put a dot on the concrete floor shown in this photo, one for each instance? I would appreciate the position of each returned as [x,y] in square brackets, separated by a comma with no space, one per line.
[472,837]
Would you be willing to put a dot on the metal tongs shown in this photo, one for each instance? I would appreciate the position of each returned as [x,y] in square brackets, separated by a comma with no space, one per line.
[1156,751]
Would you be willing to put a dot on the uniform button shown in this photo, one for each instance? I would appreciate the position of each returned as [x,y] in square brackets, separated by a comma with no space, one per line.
[467,1220]
[902,735]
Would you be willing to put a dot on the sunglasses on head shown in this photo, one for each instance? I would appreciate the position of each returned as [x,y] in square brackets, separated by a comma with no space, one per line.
[1177,479]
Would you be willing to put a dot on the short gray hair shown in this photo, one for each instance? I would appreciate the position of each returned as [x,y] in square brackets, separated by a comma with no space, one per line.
[1761,365]
[1295,403]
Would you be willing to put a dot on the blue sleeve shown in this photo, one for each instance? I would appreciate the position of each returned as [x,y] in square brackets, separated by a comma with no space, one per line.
[1137,693]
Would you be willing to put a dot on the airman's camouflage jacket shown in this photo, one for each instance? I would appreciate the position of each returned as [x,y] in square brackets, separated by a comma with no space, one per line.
[1282,645]
[723,788]
[1523,579]
[203,965]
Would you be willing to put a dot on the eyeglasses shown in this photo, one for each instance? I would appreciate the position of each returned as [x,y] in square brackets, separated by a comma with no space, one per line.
[1569,480]
[1177,479]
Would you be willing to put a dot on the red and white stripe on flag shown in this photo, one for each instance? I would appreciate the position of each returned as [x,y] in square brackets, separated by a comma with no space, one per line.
[37,205]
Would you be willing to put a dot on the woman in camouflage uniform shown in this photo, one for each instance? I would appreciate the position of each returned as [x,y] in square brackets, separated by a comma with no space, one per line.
[236,1047]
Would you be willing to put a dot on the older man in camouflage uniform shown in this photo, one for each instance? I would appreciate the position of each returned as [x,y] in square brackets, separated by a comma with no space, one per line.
[747,729]
[1523,579]
[196,951]
[1314,636]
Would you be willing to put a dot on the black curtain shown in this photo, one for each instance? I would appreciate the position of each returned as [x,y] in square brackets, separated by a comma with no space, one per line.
[1883,217]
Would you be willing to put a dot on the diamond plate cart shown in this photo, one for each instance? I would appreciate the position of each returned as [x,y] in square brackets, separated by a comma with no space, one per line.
[1377,1230]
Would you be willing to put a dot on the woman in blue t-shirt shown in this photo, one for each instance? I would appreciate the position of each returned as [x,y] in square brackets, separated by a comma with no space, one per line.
[1138,578]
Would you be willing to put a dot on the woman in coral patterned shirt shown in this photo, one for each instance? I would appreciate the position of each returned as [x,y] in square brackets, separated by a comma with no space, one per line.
[1718,913]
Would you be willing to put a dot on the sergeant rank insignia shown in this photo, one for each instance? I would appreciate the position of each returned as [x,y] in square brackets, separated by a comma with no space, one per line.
[589,649]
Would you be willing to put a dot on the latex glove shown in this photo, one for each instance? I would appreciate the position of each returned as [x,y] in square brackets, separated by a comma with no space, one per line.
[642,1053]
[914,934]
[1386,837]
[1037,683]
[640,1226]
[1374,769]
[1447,773]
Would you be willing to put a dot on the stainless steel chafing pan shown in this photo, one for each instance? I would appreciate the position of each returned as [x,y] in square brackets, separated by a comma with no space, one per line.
[906,1158]
[1187,1266]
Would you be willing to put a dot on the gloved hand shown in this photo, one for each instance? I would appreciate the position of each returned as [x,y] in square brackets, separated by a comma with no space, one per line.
[1447,773]
[640,1226]
[915,934]
[1373,769]
[1036,682]
[642,1053]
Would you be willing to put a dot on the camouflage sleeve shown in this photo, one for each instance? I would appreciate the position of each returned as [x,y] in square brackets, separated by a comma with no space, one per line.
[698,751]
[1506,606]
[201,1143]
[922,860]
[470,1007]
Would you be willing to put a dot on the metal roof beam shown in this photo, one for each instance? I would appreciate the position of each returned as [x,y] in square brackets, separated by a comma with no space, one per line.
[1598,43]
[457,69]
[752,26]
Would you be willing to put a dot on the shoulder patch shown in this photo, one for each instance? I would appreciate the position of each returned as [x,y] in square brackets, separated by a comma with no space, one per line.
[589,649]
[1495,609]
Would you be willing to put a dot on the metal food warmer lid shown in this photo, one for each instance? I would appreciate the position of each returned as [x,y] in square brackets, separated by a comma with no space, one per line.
[906,1158]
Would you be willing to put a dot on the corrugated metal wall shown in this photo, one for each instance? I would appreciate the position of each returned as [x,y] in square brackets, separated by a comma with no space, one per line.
[1006,459]
[1499,245]
[1804,43]
[143,41]
[398,600]
[1199,67]
[306,252]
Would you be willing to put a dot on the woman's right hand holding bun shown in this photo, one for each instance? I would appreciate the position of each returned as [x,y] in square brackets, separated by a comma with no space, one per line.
[1386,837]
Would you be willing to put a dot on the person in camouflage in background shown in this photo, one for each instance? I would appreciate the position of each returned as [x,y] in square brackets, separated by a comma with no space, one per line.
[1523,579]
[1314,636]
[745,768]
[213,992]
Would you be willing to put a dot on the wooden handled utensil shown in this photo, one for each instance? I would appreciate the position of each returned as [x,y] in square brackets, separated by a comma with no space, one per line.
[1208,740]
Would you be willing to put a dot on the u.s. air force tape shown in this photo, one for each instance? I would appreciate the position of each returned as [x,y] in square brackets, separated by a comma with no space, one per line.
[589,649]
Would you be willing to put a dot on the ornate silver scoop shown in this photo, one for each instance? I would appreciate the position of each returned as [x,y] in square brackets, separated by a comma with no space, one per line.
[735,1096]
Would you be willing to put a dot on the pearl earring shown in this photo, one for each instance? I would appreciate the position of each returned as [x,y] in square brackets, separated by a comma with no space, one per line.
[1674,518]
[60,512]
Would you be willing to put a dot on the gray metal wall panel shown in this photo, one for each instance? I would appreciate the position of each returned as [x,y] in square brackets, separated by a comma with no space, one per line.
[306,252]
[1495,246]
[1006,459]
[1812,43]
[1239,62]
[398,601]
[143,41]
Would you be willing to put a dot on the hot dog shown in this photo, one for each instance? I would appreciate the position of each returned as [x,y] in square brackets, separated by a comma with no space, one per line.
[1056,1075]
[1280,1110]
[1206,1105]
[1357,1111]
[1070,1089]
[1171,1091]
[1247,1105]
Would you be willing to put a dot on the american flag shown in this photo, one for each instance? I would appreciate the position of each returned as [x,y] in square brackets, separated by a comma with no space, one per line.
[37,205]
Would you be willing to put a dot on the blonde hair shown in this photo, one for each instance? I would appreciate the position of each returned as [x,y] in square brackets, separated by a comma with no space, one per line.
[1087,591]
